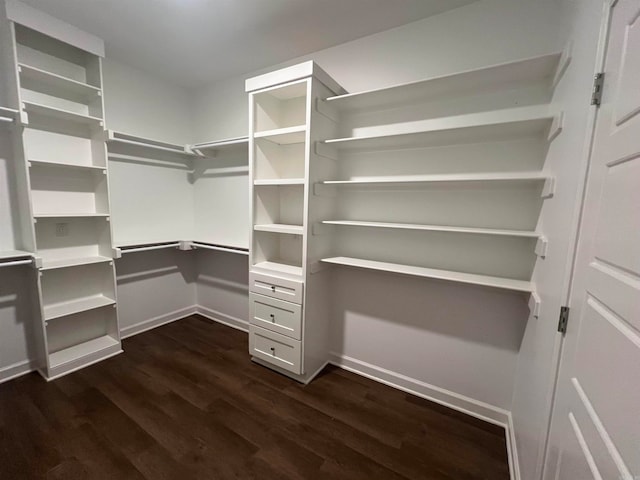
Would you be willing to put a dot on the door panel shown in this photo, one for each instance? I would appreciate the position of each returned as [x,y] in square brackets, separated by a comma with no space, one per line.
[595,430]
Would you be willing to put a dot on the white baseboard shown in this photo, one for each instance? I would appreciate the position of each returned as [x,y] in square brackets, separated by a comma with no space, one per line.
[17,370]
[475,408]
[223,318]
[157,321]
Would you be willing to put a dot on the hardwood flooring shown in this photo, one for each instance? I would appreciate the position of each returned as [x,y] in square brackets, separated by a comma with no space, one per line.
[185,402]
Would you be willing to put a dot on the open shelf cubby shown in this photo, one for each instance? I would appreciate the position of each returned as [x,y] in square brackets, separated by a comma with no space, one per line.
[51,146]
[281,112]
[279,252]
[275,204]
[277,161]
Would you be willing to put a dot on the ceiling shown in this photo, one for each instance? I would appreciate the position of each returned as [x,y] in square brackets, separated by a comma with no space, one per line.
[194,42]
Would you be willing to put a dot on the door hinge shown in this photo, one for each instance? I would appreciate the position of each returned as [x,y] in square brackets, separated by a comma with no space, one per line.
[563,320]
[598,85]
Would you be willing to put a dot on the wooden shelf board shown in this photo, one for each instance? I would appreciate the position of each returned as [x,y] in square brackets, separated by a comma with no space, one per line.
[74,88]
[72,262]
[497,125]
[62,114]
[70,215]
[279,267]
[469,278]
[436,228]
[284,136]
[279,181]
[452,178]
[14,255]
[477,80]
[63,309]
[280,228]
[85,349]
[46,163]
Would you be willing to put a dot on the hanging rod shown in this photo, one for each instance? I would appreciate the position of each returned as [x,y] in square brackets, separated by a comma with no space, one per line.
[147,247]
[206,246]
[15,263]
[7,120]
[112,137]
[218,145]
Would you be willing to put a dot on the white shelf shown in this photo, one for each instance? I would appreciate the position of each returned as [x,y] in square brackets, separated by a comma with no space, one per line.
[136,141]
[220,146]
[452,178]
[281,267]
[63,309]
[72,262]
[34,78]
[14,255]
[469,278]
[470,128]
[436,228]
[279,181]
[478,80]
[43,163]
[70,215]
[280,228]
[85,349]
[284,136]
[61,114]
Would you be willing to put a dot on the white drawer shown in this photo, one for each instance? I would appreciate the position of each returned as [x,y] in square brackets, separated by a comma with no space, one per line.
[276,315]
[276,287]
[276,349]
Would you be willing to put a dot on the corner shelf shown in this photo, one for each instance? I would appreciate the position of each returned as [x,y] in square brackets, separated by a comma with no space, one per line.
[73,262]
[63,309]
[481,79]
[65,86]
[469,278]
[284,136]
[436,228]
[61,114]
[215,147]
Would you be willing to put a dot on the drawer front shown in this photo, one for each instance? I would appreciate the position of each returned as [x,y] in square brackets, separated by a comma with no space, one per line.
[276,315]
[282,288]
[276,349]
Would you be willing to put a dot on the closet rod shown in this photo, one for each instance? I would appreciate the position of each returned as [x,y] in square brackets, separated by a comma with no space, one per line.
[6,119]
[150,145]
[16,263]
[147,248]
[220,249]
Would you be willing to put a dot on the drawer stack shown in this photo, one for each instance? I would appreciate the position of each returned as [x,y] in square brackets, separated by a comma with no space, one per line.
[275,333]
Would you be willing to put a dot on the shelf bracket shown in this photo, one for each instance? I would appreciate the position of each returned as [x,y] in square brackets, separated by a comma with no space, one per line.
[534,304]
[323,108]
[185,245]
[563,63]
[541,247]
[556,127]
[327,151]
[549,188]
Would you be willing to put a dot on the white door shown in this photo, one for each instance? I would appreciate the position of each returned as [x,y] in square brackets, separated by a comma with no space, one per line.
[595,431]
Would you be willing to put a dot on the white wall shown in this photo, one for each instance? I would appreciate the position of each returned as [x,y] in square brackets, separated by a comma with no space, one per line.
[430,331]
[141,104]
[567,158]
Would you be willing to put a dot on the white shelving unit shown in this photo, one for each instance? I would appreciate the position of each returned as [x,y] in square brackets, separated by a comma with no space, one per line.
[443,178]
[284,125]
[58,90]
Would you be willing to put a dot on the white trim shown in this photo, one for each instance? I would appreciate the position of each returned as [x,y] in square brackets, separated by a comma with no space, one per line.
[17,369]
[512,450]
[475,408]
[151,323]
[223,318]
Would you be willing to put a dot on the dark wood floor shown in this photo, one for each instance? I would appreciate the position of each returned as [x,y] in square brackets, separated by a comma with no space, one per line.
[185,402]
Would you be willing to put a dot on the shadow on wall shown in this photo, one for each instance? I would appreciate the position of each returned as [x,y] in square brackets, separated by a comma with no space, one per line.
[139,266]
[17,319]
[482,315]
